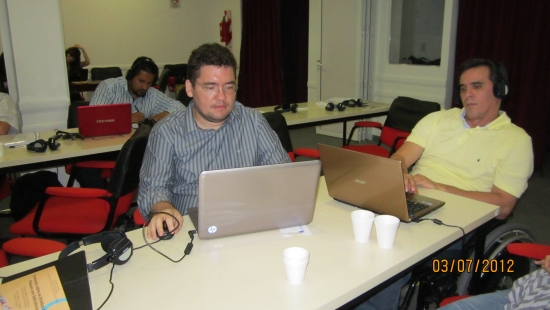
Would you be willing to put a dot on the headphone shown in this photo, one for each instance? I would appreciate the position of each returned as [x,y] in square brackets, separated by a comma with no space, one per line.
[340,106]
[293,107]
[40,145]
[500,85]
[139,65]
[353,103]
[117,246]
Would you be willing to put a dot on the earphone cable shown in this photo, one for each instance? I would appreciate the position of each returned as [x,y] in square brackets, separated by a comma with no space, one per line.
[112,287]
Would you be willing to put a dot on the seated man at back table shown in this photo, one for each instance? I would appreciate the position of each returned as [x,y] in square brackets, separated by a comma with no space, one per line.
[475,152]
[214,132]
[147,102]
[9,116]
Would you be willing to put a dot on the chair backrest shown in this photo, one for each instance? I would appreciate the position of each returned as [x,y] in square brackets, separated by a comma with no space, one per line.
[178,70]
[105,73]
[405,112]
[125,176]
[278,123]
[183,98]
[72,116]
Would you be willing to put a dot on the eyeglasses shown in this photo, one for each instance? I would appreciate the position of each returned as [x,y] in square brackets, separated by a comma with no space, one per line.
[229,89]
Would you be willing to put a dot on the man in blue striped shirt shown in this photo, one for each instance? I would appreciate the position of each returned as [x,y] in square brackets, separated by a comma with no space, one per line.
[135,88]
[214,132]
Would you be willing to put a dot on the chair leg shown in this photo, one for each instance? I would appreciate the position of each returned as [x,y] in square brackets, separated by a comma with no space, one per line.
[350,135]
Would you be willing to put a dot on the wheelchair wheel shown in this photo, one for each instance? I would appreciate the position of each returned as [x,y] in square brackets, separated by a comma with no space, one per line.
[502,268]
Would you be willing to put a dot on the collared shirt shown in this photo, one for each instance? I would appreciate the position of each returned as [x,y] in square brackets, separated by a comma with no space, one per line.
[115,90]
[9,113]
[473,159]
[178,151]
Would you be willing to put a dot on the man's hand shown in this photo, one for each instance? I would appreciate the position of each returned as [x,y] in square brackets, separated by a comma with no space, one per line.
[155,225]
[137,117]
[545,263]
[423,181]
[410,183]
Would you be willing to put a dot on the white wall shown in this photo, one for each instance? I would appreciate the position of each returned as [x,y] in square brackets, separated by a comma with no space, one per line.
[115,33]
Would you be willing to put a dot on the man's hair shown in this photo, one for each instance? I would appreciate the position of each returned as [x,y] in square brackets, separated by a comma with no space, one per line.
[143,64]
[497,70]
[210,54]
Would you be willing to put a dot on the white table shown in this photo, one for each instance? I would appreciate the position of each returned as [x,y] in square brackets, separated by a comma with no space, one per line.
[20,156]
[247,272]
[313,114]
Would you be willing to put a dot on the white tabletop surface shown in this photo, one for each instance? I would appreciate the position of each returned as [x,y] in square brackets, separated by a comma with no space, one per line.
[247,272]
[311,112]
[69,148]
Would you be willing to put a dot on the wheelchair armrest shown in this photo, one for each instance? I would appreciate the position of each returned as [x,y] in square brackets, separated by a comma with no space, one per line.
[75,192]
[531,250]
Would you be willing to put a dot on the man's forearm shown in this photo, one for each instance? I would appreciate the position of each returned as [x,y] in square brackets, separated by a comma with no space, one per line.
[506,202]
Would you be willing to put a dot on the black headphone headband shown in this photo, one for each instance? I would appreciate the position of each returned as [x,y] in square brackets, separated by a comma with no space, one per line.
[117,246]
[133,71]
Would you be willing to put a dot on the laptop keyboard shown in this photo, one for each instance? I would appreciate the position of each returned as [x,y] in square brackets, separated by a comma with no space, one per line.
[415,207]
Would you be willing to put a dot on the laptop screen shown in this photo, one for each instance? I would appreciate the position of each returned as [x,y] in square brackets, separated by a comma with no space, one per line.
[104,120]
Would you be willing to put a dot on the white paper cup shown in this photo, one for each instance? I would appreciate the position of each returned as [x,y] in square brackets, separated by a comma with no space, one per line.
[1,149]
[362,224]
[295,260]
[386,229]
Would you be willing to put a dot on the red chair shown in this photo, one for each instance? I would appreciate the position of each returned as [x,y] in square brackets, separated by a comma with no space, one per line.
[403,115]
[278,123]
[3,259]
[530,250]
[68,212]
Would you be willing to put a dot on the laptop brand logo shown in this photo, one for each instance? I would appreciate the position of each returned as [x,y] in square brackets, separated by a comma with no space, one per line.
[212,229]
[111,120]
[360,181]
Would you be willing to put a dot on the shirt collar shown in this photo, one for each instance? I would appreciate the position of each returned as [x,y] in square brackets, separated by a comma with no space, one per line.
[501,120]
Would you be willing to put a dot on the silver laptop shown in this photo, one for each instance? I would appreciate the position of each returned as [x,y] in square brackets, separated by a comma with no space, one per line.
[252,199]
[372,182]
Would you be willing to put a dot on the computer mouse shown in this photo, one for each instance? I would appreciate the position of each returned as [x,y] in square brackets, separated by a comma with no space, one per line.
[167,235]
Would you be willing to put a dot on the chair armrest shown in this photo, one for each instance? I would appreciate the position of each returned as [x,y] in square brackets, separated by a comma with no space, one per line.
[368,124]
[99,164]
[306,152]
[531,250]
[76,192]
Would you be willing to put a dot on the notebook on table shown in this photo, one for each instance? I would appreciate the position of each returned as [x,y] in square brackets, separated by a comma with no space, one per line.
[253,199]
[104,120]
[373,183]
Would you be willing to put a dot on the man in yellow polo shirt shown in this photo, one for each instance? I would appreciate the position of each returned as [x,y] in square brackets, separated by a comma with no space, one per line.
[476,151]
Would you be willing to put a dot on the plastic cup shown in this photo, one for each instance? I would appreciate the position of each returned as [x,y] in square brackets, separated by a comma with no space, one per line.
[386,229]
[296,260]
[362,224]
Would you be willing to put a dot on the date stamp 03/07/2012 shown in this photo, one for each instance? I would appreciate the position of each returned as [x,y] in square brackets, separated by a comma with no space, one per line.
[471,265]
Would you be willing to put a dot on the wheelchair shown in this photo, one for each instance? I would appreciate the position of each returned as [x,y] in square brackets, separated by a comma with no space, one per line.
[499,269]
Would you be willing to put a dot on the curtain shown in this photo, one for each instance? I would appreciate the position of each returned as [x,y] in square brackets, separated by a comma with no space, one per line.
[514,33]
[260,75]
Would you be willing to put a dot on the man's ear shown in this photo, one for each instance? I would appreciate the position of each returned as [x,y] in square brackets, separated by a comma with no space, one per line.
[189,88]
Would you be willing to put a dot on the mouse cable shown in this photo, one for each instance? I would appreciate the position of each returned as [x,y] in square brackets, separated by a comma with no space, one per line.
[188,248]
[439,222]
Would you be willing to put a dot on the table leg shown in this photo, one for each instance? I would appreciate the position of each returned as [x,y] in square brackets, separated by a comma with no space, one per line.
[344,131]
